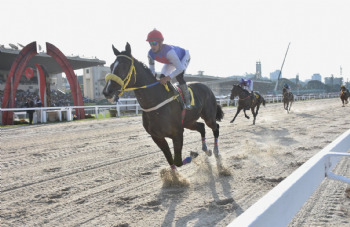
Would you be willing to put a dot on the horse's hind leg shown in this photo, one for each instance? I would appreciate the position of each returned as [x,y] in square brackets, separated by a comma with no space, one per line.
[254,115]
[200,127]
[256,112]
[215,127]
[163,145]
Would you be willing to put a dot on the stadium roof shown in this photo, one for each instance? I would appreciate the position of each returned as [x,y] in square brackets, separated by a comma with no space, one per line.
[7,57]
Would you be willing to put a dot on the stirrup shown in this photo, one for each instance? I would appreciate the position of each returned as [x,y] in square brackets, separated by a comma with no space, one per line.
[187,107]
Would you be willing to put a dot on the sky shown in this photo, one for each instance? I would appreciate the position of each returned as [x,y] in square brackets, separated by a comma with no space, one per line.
[224,38]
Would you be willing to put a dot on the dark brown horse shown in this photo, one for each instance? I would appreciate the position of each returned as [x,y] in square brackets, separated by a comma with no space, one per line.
[288,99]
[344,97]
[162,121]
[246,101]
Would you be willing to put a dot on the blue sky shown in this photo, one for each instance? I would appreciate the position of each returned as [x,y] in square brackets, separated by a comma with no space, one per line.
[224,38]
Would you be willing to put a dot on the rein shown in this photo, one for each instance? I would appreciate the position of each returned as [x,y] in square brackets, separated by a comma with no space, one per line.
[124,83]
[245,97]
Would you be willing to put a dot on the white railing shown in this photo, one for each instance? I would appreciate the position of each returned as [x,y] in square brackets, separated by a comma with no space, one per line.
[133,105]
[69,110]
[279,206]
[278,98]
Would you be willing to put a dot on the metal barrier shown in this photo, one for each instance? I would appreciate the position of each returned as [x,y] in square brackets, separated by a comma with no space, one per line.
[279,206]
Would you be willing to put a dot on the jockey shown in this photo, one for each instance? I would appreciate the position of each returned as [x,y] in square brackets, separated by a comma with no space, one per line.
[344,89]
[175,60]
[287,87]
[248,85]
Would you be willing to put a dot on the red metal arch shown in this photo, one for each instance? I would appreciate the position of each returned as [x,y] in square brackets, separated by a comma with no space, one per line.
[42,84]
[56,54]
[16,72]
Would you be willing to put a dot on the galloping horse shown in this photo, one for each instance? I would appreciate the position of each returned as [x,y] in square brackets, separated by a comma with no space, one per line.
[288,97]
[246,101]
[161,114]
[344,97]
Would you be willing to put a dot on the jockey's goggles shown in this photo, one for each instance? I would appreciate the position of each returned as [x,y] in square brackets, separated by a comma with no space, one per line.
[153,43]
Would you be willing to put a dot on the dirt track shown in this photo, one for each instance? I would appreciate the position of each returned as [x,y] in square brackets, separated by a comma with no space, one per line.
[107,172]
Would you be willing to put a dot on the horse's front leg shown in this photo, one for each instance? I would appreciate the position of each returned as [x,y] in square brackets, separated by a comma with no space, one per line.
[290,105]
[246,116]
[178,143]
[238,110]
[163,145]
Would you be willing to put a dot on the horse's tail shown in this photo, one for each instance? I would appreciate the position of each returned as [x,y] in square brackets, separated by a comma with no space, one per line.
[264,102]
[219,113]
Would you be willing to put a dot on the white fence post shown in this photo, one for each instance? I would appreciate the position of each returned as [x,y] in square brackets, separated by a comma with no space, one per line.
[96,112]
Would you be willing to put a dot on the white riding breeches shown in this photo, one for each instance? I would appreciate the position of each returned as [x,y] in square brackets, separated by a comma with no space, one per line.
[169,68]
[247,88]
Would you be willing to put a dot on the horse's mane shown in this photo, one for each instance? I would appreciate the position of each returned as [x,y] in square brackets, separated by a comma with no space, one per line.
[145,67]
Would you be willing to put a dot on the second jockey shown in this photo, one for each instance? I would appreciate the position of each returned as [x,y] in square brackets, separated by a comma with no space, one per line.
[248,85]
[174,58]
[287,87]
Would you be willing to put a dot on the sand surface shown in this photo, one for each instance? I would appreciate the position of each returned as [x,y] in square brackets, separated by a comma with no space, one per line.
[109,172]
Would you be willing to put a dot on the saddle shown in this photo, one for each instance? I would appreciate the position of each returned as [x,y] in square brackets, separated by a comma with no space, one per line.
[195,102]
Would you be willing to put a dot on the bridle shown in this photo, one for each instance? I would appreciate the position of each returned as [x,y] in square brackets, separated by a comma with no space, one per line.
[124,83]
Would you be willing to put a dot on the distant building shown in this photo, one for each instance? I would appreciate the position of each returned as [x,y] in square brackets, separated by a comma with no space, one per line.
[274,75]
[316,76]
[94,81]
[294,80]
[336,80]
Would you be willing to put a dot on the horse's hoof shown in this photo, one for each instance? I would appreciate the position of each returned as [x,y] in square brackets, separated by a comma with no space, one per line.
[231,121]
[187,160]
[209,152]
[193,154]
[204,147]
[178,162]
[216,152]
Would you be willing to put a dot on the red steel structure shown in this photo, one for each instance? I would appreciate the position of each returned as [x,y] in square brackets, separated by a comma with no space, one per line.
[16,72]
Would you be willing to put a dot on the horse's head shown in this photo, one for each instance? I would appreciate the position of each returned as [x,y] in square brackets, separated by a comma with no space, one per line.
[121,73]
[284,90]
[235,91]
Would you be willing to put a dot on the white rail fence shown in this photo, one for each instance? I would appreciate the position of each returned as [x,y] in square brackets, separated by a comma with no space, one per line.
[279,98]
[280,205]
[131,105]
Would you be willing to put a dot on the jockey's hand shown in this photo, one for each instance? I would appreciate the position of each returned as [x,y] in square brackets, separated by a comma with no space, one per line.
[164,80]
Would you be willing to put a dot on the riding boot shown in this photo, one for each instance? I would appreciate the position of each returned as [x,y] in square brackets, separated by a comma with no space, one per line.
[253,97]
[187,96]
